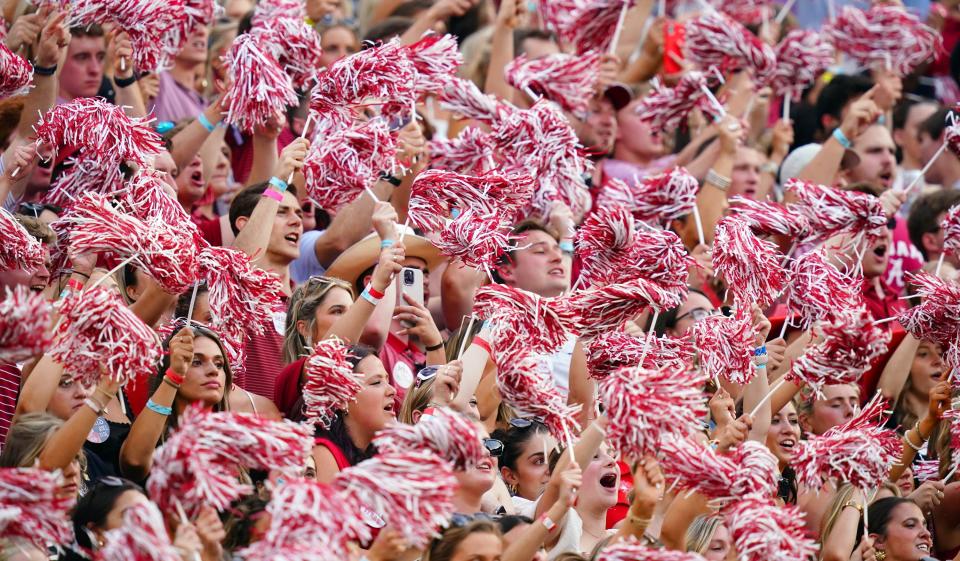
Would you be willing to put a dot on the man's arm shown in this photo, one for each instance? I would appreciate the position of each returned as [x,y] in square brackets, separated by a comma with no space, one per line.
[127,93]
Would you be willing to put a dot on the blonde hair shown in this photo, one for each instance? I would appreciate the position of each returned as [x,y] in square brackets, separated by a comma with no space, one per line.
[843,496]
[701,531]
[27,438]
[417,399]
[303,307]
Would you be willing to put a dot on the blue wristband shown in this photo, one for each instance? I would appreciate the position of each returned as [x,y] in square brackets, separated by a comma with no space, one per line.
[760,351]
[203,120]
[386,243]
[153,406]
[842,138]
[566,246]
[278,183]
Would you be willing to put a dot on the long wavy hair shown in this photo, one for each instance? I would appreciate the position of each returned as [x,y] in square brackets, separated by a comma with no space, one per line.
[303,307]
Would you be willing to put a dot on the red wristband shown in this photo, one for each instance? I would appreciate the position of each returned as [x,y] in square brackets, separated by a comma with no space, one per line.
[374,292]
[74,284]
[480,342]
[174,377]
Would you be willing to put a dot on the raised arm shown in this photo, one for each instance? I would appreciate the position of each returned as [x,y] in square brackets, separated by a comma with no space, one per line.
[194,137]
[501,50]
[136,454]
[65,444]
[439,12]
[128,95]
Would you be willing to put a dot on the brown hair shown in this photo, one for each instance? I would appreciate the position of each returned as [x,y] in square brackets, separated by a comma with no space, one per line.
[37,229]
[303,306]
[443,548]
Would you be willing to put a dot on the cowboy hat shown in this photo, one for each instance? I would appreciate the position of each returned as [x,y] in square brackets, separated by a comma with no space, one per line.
[365,253]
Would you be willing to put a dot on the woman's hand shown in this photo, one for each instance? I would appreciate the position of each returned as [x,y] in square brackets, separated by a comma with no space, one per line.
[211,532]
[776,349]
[647,482]
[722,408]
[120,52]
[291,158]
[511,14]
[181,351]
[25,30]
[928,495]
[609,69]
[389,545]
[423,326]
[187,542]
[761,325]
[561,220]
[447,384]
[939,404]
[411,144]
[734,434]
[149,85]
[391,262]
[384,220]
[865,551]
[24,160]
[571,479]
[782,140]
[702,270]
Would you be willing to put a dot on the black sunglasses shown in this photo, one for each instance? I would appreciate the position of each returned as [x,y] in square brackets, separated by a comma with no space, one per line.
[35,209]
[459,520]
[520,423]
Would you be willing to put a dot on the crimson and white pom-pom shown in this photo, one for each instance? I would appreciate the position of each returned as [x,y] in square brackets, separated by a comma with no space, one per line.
[436,59]
[852,342]
[937,317]
[657,199]
[593,23]
[24,320]
[146,198]
[478,241]
[445,432]
[802,56]
[764,531]
[714,39]
[886,37]
[307,516]
[33,507]
[196,13]
[926,470]
[242,297]
[463,98]
[611,351]
[666,109]
[436,193]
[200,462]
[296,47]
[611,251]
[832,211]
[269,10]
[413,491]
[859,452]
[331,382]
[750,266]
[565,79]
[817,289]
[348,161]
[384,72]
[747,12]
[632,550]
[952,416]
[472,152]
[726,347]
[259,88]
[98,130]
[646,406]
[232,338]
[15,73]
[950,226]
[526,383]
[163,251]
[97,329]
[596,310]
[528,314]
[749,470]
[142,537]
[82,176]
[146,22]
[767,218]
[18,249]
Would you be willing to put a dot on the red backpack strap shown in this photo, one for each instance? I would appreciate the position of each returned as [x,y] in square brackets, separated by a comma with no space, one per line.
[338,454]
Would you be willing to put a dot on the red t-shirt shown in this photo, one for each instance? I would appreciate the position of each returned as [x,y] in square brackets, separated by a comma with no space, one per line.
[264,360]
[288,387]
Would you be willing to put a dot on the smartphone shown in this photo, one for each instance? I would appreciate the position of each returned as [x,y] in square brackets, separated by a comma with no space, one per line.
[409,282]
[674,34]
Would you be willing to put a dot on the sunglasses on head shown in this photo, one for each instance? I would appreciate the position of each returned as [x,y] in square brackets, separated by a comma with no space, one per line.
[494,446]
[520,423]
[425,375]
[459,520]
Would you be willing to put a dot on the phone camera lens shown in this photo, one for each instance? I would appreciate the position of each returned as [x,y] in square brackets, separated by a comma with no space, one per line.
[408,277]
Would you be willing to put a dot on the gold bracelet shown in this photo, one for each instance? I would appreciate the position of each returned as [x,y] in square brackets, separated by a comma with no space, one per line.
[916,427]
[855,505]
[170,383]
[637,521]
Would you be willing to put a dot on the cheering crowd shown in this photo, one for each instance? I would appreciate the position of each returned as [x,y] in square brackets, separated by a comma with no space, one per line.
[480,280]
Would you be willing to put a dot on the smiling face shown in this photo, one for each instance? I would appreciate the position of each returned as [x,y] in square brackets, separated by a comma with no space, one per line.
[783,434]
[206,377]
[927,368]
[36,280]
[907,537]
[477,480]
[373,408]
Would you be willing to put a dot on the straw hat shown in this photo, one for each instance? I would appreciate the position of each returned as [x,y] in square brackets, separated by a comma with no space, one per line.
[365,253]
